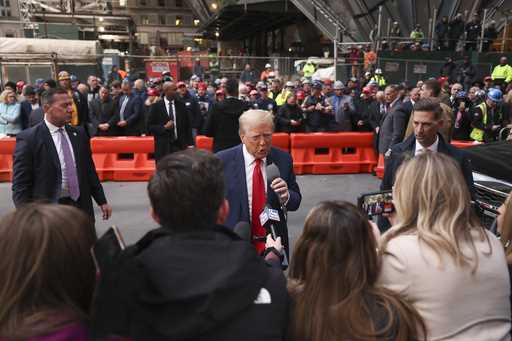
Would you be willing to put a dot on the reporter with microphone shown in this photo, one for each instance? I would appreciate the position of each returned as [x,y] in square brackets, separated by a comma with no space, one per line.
[256,175]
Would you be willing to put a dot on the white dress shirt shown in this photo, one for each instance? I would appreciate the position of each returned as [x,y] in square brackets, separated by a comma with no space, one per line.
[420,149]
[250,163]
[175,126]
[56,137]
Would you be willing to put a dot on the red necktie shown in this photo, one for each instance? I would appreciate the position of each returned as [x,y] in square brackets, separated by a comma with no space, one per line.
[258,204]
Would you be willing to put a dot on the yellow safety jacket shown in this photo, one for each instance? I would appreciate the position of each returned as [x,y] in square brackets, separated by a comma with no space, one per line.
[308,70]
[478,134]
[502,72]
[282,97]
[381,82]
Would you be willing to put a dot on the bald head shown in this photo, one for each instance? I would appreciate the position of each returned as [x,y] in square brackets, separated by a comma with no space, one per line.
[253,118]
[379,96]
[169,89]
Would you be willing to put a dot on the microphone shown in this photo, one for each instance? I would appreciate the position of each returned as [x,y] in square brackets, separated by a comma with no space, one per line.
[243,230]
[272,174]
[267,219]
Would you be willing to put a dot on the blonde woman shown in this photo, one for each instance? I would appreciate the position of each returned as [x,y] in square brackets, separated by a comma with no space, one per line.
[10,122]
[439,258]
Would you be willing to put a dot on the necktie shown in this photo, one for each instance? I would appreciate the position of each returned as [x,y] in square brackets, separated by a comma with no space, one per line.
[123,107]
[74,190]
[258,204]
[170,111]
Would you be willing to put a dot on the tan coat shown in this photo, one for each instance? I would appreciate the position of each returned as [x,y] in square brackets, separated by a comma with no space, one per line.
[455,303]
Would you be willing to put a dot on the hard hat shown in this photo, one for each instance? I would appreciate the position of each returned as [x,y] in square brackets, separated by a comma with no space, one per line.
[372,82]
[338,85]
[73,78]
[306,81]
[367,74]
[317,85]
[153,92]
[289,84]
[181,84]
[260,84]
[378,71]
[268,66]
[495,95]
[39,81]
[461,94]
[63,75]
[300,95]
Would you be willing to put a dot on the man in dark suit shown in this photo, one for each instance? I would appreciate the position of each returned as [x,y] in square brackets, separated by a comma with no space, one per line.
[53,162]
[427,120]
[222,123]
[30,104]
[401,116]
[102,110]
[169,123]
[245,176]
[391,103]
[128,112]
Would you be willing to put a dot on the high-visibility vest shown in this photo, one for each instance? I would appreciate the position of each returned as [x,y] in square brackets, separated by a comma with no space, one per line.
[309,70]
[381,81]
[478,134]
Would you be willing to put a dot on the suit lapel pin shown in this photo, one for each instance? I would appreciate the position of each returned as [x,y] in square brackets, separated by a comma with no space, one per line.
[74,134]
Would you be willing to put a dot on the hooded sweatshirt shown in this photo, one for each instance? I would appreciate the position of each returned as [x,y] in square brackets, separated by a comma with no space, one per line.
[205,285]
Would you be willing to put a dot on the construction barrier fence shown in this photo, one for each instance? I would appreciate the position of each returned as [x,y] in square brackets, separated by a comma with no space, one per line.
[131,158]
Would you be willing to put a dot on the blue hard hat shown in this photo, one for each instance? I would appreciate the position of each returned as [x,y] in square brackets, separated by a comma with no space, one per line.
[495,95]
[39,81]
[461,94]
[317,84]
[73,78]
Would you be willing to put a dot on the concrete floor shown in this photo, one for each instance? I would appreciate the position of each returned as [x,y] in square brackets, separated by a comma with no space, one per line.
[131,205]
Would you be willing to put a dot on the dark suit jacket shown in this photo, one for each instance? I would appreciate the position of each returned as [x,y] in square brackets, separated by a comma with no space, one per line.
[133,113]
[222,123]
[400,119]
[25,111]
[102,112]
[36,117]
[406,149]
[386,128]
[236,187]
[158,117]
[37,173]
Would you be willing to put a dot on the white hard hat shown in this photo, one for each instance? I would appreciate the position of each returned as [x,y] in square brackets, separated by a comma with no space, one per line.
[289,84]
[338,85]
[378,71]
[267,66]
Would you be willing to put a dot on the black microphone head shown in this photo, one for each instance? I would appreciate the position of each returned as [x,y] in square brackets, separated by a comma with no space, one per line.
[243,230]
[272,173]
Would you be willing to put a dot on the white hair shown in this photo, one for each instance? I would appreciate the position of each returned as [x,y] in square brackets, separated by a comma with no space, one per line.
[254,117]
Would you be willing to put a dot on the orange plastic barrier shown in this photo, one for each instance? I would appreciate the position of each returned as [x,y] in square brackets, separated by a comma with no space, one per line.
[279,140]
[379,170]
[6,152]
[464,144]
[123,158]
[204,142]
[333,153]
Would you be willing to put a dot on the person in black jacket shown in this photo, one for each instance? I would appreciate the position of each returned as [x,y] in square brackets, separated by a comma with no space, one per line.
[168,121]
[466,73]
[222,122]
[290,117]
[30,104]
[102,110]
[191,106]
[192,278]
[473,30]
[455,31]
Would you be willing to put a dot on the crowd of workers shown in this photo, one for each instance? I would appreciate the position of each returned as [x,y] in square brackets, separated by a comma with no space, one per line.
[476,109]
